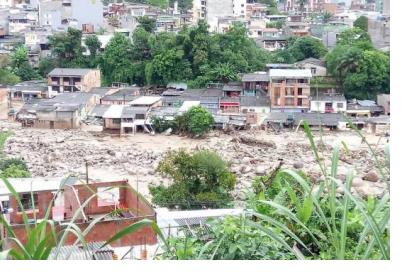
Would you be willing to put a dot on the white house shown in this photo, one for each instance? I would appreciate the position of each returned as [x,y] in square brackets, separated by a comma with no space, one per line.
[328,103]
[316,66]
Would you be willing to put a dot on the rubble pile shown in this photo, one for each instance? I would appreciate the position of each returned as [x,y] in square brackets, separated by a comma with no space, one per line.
[63,152]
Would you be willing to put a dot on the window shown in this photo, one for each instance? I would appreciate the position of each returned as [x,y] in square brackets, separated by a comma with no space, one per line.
[116,121]
[340,105]
[27,201]
[313,69]
[300,91]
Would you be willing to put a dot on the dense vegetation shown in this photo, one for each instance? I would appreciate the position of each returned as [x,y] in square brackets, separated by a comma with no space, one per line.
[11,168]
[193,55]
[361,70]
[199,179]
[195,122]
[288,217]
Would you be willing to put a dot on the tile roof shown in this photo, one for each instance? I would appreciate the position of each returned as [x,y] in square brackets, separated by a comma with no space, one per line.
[255,77]
[255,101]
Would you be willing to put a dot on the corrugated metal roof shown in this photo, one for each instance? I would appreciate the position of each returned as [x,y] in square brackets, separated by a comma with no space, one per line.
[27,185]
[290,73]
[130,112]
[92,252]
[255,77]
[99,110]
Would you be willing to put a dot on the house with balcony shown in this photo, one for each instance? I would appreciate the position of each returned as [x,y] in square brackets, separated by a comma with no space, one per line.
[290,90]
[328,103]
[28,90]
[111,207]
[73,79]
[255,83]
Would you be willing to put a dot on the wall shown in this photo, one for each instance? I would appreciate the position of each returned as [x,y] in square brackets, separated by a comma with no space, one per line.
[217,8]
[282,95]
[92,79]
[258,109]
[320,106]
[44,199]
[88,11]
[109,124]
[3,95]
[320,70]
[384,100]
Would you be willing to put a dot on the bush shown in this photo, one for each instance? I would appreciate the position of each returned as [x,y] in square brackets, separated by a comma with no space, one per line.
[199,179]
[15,171]
[6,163]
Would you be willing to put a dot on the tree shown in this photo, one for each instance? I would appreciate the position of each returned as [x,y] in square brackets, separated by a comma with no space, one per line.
[159,3]
[326,17]
[14,168]
[46,65]
[305,47]
[361,73]
[117,62]
[355,37]
[362,22]
[21,66]
[200,121]
[8,78]
[93,45]
[147,23]
[67,49]
[222,72]
[199,179]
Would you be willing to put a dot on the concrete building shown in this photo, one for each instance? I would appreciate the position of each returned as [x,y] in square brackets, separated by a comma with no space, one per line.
[28,90]
[211,10]
[70,195]
[316,66]
[384,101]
[73,79]
[328,103]
[290,89]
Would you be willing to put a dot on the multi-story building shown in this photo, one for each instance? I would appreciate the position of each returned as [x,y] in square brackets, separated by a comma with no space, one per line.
[211,10]
[290,89]
[73,79]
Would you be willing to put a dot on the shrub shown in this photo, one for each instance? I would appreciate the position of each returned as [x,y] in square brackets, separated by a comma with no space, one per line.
[199,179]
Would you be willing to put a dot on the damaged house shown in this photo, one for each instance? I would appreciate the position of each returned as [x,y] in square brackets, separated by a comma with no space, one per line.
[65,111]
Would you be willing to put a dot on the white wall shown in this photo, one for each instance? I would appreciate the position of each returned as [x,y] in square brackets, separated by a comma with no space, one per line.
[319,106]
[257,109]
[239,8]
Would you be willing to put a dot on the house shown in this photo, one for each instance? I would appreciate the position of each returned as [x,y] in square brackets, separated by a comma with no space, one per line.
[28,90]
[112,119]
[328,103]
[363,108]
[296,119]
[121,96]
[384,101]
[134,119]
[290,89]
[147,101]
[253,83]
[255,104]
[73,79]
[111,207]
[65,111]
[297,28]
[316,66]
[272,43]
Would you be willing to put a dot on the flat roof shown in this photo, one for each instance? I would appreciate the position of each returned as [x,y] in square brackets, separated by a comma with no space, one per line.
[290,73]
[70,71]
[146,100]
[27,185]
[114,112]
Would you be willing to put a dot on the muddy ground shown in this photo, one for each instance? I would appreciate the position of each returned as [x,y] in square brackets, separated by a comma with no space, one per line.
[55,153]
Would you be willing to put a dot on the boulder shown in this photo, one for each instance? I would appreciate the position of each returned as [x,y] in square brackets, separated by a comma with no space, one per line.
[245,169]
[371,176]
[261,170]
[298,165]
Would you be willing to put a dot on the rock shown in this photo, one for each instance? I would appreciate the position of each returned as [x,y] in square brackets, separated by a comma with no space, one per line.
[261,170]
[369,189]
[371,176]
[245,169]
[298,165]
[60,140]
[357,182]
[167,132]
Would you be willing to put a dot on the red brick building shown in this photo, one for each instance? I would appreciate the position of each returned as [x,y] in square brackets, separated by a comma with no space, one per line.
[117,204]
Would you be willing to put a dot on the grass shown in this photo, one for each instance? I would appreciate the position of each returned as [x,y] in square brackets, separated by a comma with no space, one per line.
[3,138]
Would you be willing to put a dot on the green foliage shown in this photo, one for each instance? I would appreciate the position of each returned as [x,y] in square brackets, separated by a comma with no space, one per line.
[148,24]
[355,37]
[46,65]
[21,66]
[326,17]
[230,239]
[116,61]
[67,49]
[14,168]
[3,138]
[306,47]
[199,179]
[8,78]
[361,73]
[362,22]
[42,235]
[300,48]
[93,45]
